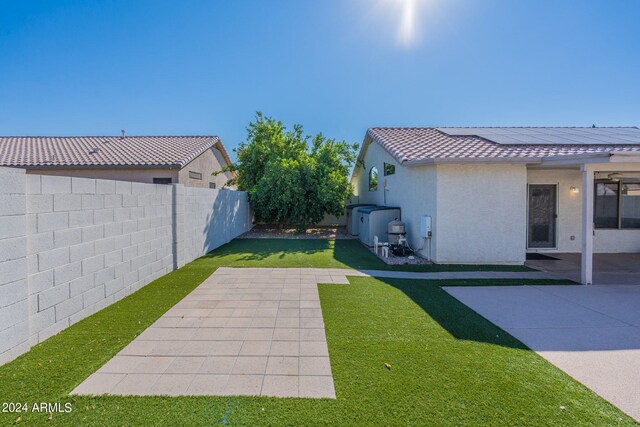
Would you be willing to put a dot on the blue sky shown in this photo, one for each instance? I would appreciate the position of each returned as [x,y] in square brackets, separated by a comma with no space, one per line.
[336,66]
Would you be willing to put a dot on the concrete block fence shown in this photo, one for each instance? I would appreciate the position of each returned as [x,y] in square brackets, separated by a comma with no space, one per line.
[72,246]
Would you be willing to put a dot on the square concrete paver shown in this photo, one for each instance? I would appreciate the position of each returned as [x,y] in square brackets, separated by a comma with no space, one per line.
[241,332]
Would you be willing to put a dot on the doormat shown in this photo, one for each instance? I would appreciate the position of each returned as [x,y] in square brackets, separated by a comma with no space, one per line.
[538,256]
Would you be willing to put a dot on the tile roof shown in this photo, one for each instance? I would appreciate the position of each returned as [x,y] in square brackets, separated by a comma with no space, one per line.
[104,151]
[552,136]
[416,145]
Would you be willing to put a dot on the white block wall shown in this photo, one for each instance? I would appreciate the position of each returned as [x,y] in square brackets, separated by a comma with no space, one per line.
[198,231]
[14,301]
[71,246]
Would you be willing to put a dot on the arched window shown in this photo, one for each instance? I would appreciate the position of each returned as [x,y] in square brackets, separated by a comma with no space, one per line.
[373,179]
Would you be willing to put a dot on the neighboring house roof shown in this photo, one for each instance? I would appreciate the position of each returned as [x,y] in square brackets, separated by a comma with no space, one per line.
[433,145]
[105,151]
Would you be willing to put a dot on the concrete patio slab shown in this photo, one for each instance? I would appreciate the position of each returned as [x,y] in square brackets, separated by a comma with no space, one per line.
[590,332]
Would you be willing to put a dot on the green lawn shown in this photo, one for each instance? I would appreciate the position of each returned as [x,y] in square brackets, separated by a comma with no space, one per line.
[449,365]
[325,254]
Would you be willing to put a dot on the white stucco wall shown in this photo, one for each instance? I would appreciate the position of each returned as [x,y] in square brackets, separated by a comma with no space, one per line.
[570,215]
[206,164]
[478,211]
[411,189]
[481,213]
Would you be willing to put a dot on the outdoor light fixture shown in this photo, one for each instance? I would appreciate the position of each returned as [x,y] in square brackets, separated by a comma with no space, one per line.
[574,190]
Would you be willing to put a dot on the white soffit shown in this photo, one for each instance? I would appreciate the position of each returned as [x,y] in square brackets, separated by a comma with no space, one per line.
[552,136]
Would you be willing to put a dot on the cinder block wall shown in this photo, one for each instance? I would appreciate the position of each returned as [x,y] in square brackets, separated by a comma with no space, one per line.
[14,296]
[72,246]
[206,219]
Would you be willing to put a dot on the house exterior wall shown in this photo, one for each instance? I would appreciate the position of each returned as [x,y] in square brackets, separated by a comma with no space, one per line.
[206,164]
[413,190]
[118,174]
[71,246]
[570,215]
[478,211]
[481,213]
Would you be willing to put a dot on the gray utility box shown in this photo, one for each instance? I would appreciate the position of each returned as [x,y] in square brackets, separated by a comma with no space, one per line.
[374,222]
[353,218]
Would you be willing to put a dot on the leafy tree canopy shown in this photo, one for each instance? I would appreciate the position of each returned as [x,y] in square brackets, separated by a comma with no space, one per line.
[293,179]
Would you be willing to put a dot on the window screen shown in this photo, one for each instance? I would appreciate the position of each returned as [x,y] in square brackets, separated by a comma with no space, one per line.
[630,202]
[606,205]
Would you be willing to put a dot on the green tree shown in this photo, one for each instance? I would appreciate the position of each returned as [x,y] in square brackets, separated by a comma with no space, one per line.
[293,179]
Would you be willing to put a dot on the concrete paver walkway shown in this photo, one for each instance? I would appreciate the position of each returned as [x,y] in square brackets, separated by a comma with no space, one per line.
[243,331]
[590,332]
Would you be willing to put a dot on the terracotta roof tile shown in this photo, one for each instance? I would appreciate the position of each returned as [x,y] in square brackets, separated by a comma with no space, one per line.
[99,151]
[420,144]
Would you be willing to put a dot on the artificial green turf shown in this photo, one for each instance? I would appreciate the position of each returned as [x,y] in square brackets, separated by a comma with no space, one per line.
[449,366]
[322,253]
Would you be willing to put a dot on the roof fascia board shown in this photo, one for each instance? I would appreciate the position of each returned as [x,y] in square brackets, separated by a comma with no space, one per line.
[220,146]
[363,151]
[475,160]
[616,158]
[625,156]
[579,159]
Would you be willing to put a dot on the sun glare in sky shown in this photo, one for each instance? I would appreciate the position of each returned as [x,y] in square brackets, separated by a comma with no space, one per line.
[404,18]
[407,27]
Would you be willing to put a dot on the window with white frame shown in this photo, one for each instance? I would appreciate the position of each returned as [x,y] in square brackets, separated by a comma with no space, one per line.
[617,205]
